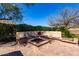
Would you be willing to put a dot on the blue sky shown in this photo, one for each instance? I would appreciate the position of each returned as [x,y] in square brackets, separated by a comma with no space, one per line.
[38,14]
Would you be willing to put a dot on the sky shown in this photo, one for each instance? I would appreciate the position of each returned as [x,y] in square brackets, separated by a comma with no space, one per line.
[39,13]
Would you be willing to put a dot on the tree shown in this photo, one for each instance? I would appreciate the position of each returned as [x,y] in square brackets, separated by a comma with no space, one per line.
[67,18]
[10,11]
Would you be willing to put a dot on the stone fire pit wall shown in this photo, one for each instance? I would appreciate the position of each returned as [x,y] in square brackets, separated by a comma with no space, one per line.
[56,34]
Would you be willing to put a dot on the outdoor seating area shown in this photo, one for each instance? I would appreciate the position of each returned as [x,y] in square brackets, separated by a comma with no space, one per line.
[42,30]
[38,39]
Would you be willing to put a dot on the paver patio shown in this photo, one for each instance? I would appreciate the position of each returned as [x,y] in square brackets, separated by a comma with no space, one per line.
[56,48]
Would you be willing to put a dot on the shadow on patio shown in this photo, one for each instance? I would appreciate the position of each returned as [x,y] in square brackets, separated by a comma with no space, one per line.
[14,53]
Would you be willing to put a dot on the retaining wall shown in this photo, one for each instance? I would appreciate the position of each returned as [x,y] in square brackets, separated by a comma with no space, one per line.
[56,34]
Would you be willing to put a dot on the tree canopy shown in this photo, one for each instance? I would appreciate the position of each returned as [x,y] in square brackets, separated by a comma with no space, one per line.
[10,11]
[26,27]
[68,17]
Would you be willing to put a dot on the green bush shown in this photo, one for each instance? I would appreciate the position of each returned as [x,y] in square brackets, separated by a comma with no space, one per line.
[5,29]
[66,32]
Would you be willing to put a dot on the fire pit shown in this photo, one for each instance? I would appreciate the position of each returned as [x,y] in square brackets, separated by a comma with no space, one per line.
[37,40]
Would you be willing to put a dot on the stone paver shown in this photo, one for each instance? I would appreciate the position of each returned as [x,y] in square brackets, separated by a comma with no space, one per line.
[56,48]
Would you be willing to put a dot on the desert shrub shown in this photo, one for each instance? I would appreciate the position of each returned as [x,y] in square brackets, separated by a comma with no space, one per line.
[66,32]
[5,31]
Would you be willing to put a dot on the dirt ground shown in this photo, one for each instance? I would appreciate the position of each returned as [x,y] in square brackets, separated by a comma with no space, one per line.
[56,48]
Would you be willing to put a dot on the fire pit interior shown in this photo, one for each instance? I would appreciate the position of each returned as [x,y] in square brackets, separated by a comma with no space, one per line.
[37,40]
